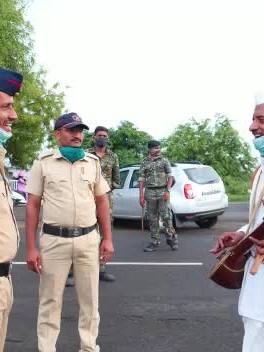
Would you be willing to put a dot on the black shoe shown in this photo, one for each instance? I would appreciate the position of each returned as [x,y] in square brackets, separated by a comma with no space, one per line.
[104,276]
[70,282]
[173,243]
[151,247]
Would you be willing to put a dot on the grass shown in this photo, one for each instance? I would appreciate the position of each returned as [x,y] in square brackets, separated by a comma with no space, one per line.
[238,197]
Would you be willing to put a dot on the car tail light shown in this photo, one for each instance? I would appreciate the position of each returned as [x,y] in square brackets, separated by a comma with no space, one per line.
[188,192]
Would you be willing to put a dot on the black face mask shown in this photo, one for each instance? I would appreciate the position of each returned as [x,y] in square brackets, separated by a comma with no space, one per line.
[100,142]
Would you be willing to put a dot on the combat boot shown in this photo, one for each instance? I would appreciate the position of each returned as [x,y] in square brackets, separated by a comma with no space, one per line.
[104,276]
[152,247]
[173,242]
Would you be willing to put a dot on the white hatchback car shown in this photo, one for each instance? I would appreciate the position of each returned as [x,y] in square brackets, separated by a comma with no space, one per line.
[198,195]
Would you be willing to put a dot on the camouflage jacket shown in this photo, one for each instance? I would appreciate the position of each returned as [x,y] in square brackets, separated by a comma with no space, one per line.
[110,167]
[155,173]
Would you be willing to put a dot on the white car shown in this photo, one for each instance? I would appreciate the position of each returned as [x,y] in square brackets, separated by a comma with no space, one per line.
[198,195]
[18,198]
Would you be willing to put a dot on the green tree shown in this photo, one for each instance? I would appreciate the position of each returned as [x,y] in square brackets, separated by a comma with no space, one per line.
[129,143]
[38,105]
[216,143]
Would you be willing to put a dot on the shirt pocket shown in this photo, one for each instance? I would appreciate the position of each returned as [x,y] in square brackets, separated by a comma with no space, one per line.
[55,183]
[86,182]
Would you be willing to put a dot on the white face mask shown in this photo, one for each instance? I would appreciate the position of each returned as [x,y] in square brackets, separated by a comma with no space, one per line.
[4,136]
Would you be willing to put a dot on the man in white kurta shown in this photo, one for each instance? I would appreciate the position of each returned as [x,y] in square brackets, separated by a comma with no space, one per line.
[251,299]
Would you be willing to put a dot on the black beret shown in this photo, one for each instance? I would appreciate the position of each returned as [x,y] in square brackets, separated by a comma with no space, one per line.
[69,120]
[10,81]
[153,143]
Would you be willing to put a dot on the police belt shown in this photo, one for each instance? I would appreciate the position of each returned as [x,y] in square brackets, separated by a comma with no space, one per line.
[5,269]
[67,231]
[156,187]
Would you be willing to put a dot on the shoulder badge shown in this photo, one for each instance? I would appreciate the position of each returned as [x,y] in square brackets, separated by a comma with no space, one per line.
[46,154]
[92,156]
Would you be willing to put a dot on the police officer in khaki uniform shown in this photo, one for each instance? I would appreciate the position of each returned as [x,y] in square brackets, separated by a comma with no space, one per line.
[74,194]
[10,83]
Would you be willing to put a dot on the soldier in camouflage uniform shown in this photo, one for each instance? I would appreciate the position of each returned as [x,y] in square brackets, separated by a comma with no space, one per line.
[110,170]
[155,177]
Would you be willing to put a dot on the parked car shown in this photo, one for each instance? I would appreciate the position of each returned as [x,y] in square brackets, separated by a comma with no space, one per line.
[197,195]
[18,198]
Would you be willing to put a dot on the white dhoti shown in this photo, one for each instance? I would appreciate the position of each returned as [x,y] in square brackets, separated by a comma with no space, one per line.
[254,335]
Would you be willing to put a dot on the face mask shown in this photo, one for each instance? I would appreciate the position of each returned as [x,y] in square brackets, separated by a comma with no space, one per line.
[154,153]
[4,136]
[259,144]
[72,153]
[100,142]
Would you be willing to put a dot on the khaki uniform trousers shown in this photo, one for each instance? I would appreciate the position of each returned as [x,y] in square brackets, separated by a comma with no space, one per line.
[6,301]
[58,254]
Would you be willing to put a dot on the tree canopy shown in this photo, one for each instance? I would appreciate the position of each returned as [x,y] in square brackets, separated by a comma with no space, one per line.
[127,141]
[38,104]
[213,142]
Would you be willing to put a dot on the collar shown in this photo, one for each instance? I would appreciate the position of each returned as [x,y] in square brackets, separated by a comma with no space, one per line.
[57,155]
[154,159]
[93,151]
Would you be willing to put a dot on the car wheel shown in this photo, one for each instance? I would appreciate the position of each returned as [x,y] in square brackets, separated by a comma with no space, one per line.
[207,223]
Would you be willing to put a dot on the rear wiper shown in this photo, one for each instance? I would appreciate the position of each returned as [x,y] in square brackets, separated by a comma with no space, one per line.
[213,181]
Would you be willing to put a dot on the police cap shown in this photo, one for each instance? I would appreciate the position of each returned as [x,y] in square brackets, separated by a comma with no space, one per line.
[69,120]
[10,81]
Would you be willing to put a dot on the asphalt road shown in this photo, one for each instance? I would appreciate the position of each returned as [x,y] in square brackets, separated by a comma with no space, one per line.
[157,308]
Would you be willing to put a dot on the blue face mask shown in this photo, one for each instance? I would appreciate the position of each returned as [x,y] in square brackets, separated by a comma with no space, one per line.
[4,136]
[259,144]
[72,153]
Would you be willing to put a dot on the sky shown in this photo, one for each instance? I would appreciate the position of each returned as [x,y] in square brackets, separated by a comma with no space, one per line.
[156,63]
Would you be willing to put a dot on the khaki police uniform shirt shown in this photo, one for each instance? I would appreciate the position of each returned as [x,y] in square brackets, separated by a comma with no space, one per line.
[67,189]
[9,236]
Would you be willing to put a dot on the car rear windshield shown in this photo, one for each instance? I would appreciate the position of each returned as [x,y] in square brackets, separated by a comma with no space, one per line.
[202,175]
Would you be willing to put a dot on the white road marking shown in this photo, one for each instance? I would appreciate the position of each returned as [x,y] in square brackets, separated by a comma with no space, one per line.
[154,263]
[142,263]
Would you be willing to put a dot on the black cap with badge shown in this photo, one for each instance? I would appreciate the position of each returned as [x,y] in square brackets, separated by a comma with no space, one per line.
[10,82]
[69,120]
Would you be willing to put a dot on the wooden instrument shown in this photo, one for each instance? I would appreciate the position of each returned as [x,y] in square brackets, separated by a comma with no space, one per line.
[229,269]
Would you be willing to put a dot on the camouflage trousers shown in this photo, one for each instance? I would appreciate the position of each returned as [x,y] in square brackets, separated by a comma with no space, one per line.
[158,209]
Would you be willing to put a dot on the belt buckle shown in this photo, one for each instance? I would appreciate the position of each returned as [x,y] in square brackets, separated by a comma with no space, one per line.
[75,232]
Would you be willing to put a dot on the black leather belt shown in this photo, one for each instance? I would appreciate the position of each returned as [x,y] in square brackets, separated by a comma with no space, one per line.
[159,187]
[5,269]
[67,231]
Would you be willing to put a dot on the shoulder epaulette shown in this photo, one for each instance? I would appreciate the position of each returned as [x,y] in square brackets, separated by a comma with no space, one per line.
[89,155]
[46,154]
